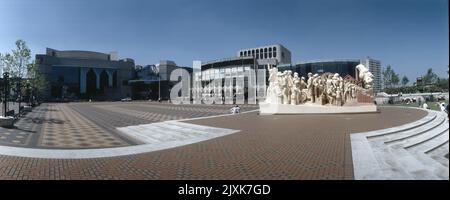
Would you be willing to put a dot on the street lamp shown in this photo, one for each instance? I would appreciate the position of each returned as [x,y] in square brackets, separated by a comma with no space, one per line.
[19,91]
[5,92]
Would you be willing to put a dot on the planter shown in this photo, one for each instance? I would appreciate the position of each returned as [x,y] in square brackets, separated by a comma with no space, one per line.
[26,109]
[6,122]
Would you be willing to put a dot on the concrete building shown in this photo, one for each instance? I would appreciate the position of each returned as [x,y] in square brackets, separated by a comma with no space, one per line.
[273,54]
[375,68]
[74,75]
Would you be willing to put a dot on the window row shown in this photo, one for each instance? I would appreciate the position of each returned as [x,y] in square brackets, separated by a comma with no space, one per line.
[262,53]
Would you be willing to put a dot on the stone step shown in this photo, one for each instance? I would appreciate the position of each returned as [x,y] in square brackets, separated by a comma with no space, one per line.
[379,133]
[403,135]
[439,154]
[430,145]
[424,137]
[389,166]
[412,165]
[437,168]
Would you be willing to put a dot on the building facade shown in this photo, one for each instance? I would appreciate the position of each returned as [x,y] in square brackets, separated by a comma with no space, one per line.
[342,66]
[74,75]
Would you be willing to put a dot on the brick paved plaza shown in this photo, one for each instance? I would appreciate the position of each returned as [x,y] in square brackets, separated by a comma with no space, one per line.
[265,147]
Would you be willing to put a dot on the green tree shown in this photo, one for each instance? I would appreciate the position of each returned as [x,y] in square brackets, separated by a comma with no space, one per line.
[405,81]
[395,79]
[19,65]
[37,80]
[387,76]
[430,77]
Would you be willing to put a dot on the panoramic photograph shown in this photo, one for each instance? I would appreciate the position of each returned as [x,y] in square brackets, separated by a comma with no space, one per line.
[224,90]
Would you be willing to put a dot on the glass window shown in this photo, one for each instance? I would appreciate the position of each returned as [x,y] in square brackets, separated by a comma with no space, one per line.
[274,48]
[265,49]
[253,52]
[245,53]
[241,53]
[274,54]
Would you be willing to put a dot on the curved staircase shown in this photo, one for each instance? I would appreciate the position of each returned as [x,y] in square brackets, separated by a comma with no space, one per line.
[417,150]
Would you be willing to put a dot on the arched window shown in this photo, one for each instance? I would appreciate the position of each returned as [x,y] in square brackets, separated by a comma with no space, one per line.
[245,53]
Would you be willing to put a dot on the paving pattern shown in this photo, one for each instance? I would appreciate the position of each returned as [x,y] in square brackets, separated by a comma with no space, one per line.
[68,129]
[267,147]
[93,125]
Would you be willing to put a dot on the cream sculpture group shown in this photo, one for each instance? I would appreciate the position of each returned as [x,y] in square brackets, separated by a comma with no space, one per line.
[325,89]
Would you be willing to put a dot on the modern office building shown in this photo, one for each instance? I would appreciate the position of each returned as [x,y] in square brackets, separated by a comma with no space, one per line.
[76,75]
[235,69]
[273,54]
[375,68]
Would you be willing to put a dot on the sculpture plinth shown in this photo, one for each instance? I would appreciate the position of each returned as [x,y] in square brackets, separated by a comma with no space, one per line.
[329,93]
[307,108]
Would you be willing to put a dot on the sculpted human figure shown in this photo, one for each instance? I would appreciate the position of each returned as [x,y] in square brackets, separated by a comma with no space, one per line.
[310,87]
[272,88]
[321,95]
[315,83]
[296,89]
[338,96]
[280,88]
[295,93]
[302,83]
[330,89]
[290,84]
[365,75]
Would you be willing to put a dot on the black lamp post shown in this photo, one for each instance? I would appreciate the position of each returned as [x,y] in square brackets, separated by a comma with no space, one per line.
[5,92]
[28,92]
[19,91]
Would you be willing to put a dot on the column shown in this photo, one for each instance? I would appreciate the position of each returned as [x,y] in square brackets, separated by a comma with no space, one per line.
[110,77]
[83,75]
[98,72]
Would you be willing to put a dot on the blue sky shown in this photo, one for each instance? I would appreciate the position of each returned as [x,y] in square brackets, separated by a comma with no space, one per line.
[410,35]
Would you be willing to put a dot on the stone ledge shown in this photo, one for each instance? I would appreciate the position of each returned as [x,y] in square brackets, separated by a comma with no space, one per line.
[268,109]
